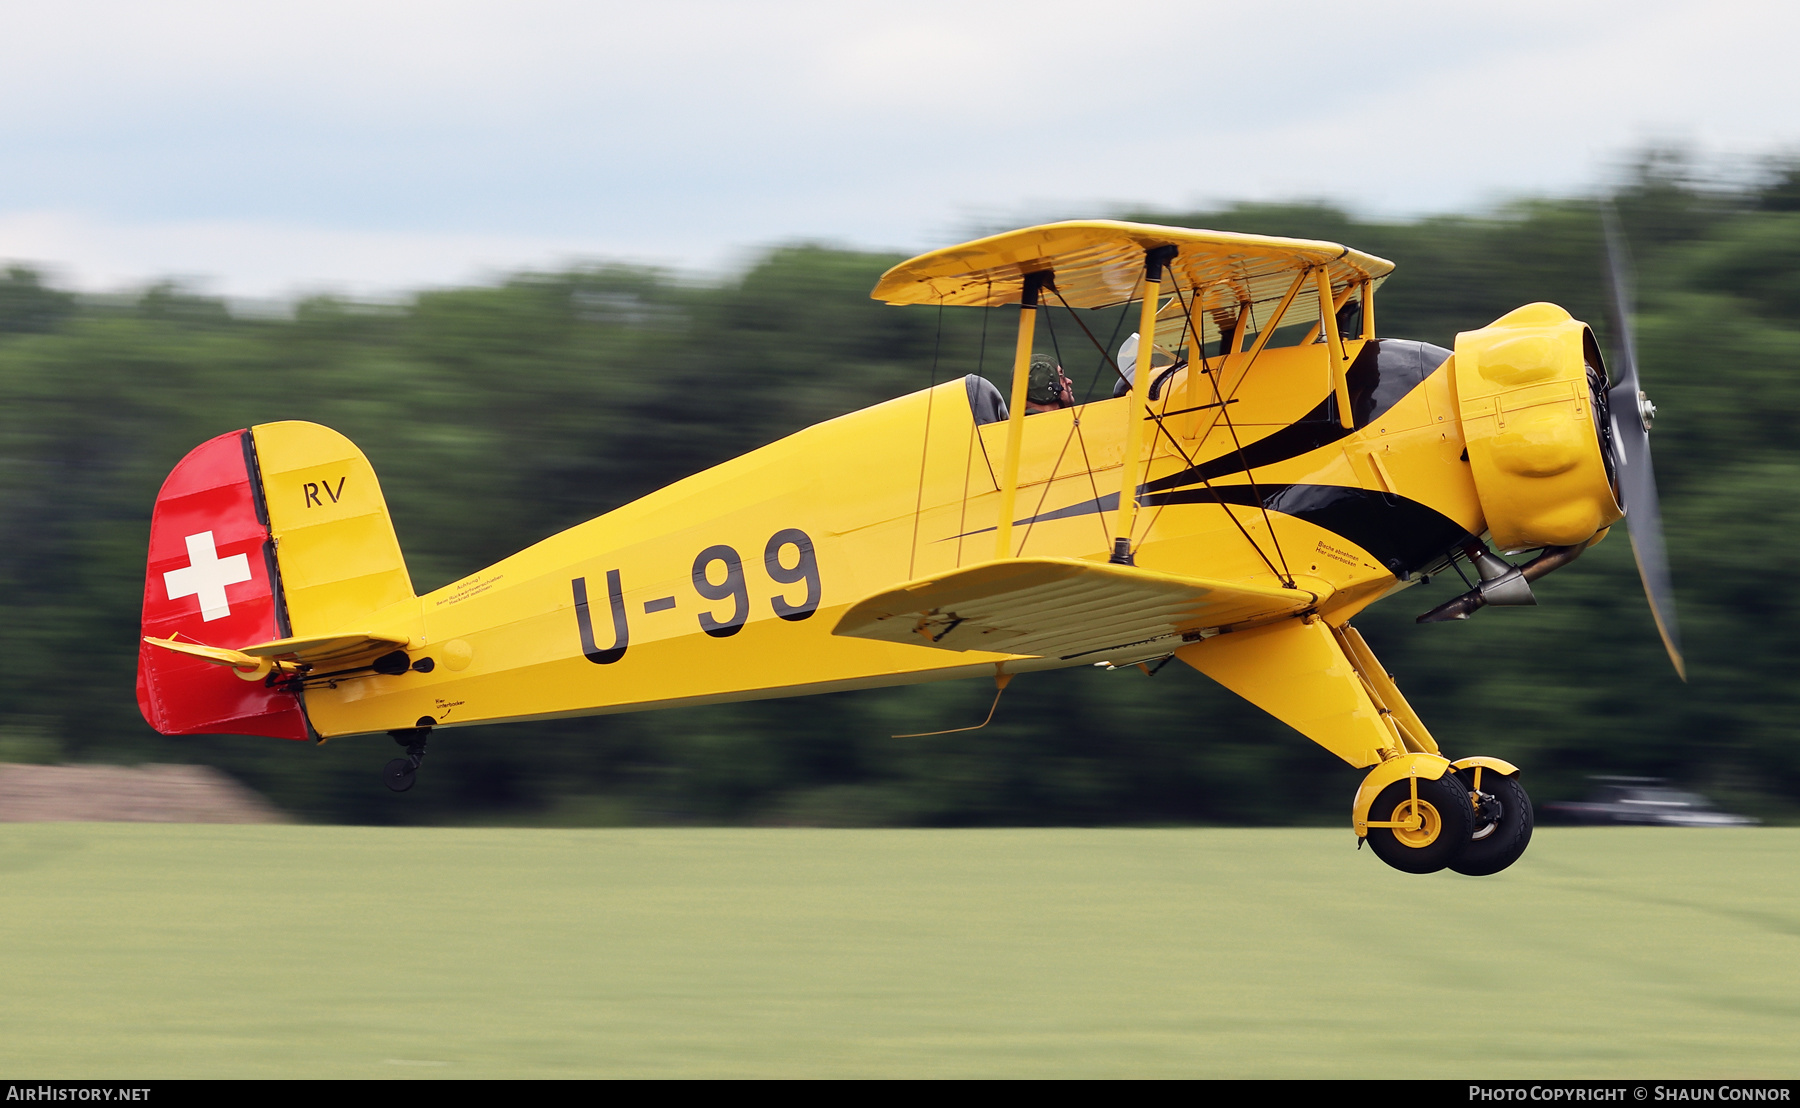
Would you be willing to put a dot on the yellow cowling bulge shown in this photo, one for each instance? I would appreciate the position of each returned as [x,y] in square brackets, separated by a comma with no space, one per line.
[1528,419]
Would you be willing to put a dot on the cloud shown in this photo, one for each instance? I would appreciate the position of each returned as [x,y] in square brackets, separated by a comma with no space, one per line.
[690,130]
[260,259]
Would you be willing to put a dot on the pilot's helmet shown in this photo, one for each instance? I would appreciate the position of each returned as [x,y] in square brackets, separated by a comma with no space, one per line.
[1160,358]
[1044,387]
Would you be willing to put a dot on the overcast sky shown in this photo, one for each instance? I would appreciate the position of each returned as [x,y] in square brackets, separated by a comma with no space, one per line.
[267,150]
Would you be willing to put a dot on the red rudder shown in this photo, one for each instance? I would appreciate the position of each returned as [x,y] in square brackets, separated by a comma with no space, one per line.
[212,580]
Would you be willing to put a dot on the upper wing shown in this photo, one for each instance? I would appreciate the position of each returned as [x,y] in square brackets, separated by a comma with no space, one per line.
[1098,263]
[1059,608]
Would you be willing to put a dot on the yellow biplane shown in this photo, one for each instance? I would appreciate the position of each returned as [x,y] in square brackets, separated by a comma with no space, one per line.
[1273,471]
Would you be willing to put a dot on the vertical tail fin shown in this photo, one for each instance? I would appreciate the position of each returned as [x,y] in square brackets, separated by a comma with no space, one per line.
[275,532]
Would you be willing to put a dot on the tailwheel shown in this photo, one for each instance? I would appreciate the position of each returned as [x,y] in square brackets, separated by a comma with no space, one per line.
[1503,820]
[1425,830]
[399,774]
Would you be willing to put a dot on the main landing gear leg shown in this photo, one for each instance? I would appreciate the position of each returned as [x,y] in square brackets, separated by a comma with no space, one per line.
[1420,811]
[399,773]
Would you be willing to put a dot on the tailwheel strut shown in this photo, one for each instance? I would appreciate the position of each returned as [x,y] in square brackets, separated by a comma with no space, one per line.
[398,775]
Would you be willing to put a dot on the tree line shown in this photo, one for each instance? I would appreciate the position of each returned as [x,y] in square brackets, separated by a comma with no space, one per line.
[498,415]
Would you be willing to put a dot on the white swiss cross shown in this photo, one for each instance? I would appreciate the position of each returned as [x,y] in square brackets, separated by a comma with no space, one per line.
[207,575]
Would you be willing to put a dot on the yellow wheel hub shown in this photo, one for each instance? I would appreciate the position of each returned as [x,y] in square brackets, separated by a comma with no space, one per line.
[1430,823]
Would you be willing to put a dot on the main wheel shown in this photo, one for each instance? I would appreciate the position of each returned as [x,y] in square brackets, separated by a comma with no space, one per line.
[1503,822]
[1445,823]
[399,774]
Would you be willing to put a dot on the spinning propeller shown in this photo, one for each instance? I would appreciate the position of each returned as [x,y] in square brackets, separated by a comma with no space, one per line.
[1629,413]
[1622,418]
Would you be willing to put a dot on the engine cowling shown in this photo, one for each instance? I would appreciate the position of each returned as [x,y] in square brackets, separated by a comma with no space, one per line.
[1528,401]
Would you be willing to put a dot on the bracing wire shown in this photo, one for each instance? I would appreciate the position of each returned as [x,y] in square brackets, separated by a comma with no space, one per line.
[1106,357]
[1179,450]
[962,517]
[1286,575]
[1087,462]
[1198,349]
[1283,574]
[1074,432]
[1176,445]
[981,371]
[1189,462]
[1045,495]
[937,344]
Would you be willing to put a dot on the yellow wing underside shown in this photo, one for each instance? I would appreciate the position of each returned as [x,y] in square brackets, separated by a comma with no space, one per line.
[1059,608]
[1099,263]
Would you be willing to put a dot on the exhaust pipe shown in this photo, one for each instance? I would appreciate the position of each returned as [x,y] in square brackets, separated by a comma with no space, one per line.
[1502,585]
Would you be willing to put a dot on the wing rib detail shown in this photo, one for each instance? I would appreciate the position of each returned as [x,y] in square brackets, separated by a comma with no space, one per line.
[1060,608]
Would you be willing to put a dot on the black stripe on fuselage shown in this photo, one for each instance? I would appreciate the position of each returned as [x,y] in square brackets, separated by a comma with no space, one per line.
[1380,377]
[1403,535]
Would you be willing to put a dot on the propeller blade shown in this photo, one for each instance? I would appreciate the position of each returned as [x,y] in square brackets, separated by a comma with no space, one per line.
[1630,413]
[1618,303]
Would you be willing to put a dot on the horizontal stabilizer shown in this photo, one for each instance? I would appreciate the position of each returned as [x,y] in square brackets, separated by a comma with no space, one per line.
[218,655]
[1058,608]
[311,650]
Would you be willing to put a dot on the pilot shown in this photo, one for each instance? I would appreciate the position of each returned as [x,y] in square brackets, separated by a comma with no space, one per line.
[1162,364]
[1049,389]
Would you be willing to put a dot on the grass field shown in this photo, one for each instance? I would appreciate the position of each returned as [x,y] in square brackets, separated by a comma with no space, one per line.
[149,950]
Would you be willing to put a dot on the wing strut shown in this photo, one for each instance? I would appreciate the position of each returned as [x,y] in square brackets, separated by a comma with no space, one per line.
[1340,386]
[1015,423]
[1155,258]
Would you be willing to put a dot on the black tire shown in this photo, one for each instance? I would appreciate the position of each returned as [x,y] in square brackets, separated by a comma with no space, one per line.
[1496,844]
[1446,801]
[399,774]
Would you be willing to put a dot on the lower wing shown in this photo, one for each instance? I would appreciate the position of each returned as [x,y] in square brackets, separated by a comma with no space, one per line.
[1061,608]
